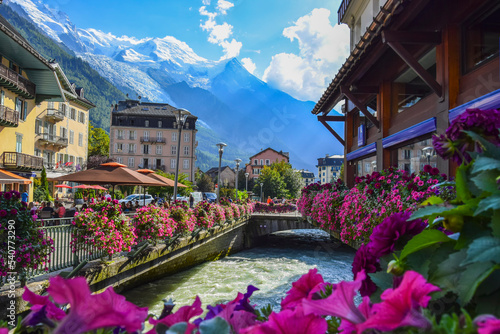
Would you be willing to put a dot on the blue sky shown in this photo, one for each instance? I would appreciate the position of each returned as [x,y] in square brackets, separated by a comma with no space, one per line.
[293,45]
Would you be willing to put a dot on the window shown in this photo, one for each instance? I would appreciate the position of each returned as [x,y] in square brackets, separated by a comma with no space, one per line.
[81,117]
[159,136]
[159,149]
[19,107]
[72,114]
[131,162]
[71,137]
[118,148]
[131,148]
[261,162]
[256,171]
[160,124]
[38,126]
[19,143]
[174,136]
[132,135]
[146,123]
[414,156]
[62,108]
[25,110]
[186,150]
[255,162]
[119,134]
[268,162]
[63,132]
[145,149]
[173,150]
[2,97]
[185,164]
[172,163]
[119,160]
[410,88]
[366,166]
[186,137]
[80,139]
[146,135]
[481,39]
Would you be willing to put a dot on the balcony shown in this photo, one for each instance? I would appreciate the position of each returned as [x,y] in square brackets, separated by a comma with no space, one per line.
[21,161]
[153,140]
[154,167]
[343,9]
[49,139]
[54,115]
[9,117]
[16,83]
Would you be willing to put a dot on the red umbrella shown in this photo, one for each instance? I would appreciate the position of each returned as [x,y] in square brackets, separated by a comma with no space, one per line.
[82,186]
[63,186]
[97,187]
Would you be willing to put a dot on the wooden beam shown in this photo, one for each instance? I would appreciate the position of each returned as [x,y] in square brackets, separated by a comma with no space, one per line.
[411,37]
[332,118]
[332,131]
[415,65]
[364,89]
[344,90]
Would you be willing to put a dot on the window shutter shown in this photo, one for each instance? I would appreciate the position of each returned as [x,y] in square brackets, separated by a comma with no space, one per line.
[126,148]
[116,146]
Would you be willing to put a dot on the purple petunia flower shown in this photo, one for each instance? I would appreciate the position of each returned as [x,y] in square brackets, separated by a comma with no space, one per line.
[366,260]
[427,168]
[7,195]
[386,235]
[13,212]
[3,213]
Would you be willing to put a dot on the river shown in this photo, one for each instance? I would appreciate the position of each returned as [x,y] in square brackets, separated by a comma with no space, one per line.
[271,267]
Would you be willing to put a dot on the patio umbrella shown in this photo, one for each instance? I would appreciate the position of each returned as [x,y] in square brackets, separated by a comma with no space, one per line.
[97,187]
[150,173]
[82,186]
[63,186]
[111,173]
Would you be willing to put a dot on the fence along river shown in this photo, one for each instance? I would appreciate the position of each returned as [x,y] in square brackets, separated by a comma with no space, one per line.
[272,267]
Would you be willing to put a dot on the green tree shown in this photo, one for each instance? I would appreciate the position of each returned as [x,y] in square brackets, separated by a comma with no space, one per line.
[42,192]
[273,184]
[341,175]
[204,183]
[169,191]
[98,142]
[293,182]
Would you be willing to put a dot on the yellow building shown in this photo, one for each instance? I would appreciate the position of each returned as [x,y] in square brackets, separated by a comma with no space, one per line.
[61,131]
[26,80]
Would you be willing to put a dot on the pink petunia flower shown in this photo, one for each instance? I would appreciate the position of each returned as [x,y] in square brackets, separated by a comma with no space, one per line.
[487,324]
[401,307]
[89,312]
[38,302]
[304,287]
[289,322]
[184,314]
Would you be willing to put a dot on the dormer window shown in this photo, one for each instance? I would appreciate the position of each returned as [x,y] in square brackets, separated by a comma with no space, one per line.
[146,123]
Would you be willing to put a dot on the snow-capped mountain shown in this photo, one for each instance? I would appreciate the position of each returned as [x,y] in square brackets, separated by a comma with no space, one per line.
[231,101]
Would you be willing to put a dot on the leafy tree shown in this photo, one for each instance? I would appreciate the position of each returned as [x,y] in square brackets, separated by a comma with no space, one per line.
[341,172]
[169,191]
[293,182]
[41,191]
[127,189]
[273,184]
[98,142]
[204,183]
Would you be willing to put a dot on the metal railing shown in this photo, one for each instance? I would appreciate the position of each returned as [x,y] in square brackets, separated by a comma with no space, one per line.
[48,138]
[8,117]
[16,83]
[158,140]
[15,160]
[342,9]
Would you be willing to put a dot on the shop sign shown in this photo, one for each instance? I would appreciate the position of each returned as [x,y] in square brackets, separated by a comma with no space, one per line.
[361,135]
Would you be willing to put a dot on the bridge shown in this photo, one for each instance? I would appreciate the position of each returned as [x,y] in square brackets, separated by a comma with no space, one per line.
[153,262]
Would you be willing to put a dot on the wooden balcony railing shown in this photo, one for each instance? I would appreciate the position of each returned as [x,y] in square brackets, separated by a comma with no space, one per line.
[21,161]
[16,83]
[8,117]
[342,9]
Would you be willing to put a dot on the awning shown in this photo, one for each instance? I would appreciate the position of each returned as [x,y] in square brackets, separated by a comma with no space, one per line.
[415,131]
[8,178]
[488,101]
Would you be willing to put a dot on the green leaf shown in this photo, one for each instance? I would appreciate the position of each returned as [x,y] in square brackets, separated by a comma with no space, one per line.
[178,328]
[431,212]
[495,224]
[484,249]
[485,163]
[491,150]
[471,278]
[490,202]
[382,279]
[423,240]
[463,192]
[486,181]
[433,200]
[215,325]
[489,304]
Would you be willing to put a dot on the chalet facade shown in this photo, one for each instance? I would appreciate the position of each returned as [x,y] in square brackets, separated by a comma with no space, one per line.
[145,135]
[264,158]
[414,67]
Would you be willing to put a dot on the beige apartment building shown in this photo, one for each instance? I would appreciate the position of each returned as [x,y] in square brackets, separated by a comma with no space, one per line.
[145,135]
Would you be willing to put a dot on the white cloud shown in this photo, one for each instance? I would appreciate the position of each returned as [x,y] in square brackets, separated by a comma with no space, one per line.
[223,6]
[248,64]
[323,49]
[220,34]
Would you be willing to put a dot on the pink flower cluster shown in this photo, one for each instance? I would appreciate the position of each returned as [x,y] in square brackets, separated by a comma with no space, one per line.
[274,208]
[153,223]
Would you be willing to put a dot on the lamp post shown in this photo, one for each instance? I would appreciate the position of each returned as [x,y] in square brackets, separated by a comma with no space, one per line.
[428,152]
[221,150]
[180,117]
[261,191]
[246,183]
[237,168]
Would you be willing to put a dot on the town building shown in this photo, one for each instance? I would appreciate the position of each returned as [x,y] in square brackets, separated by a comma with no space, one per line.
[414,67]
[329,168]
[307,177]
[145,135]
[26,80]
[227,176]
[264,158]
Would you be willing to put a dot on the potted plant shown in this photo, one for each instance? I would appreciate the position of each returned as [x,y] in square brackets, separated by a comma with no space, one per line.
[78,198]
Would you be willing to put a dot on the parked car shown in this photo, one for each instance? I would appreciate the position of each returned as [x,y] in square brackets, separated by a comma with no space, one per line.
[198,197]
[210,197]
[180,198]
[141,198]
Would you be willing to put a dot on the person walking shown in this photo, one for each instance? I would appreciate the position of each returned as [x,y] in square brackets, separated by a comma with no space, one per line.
[191,201]
[24,196]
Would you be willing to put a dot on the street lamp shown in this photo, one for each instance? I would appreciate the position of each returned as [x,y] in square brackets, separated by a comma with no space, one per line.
[180,118]
[261,199]
[237,168]
[428,153]
[221,150]
[246,183]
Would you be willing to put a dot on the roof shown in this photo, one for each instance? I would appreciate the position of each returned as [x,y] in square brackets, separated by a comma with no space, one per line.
[70,91]
[330,161]
[285,154]
[14,47]
[307,175]
[216,169]
[332,94]
[135,107]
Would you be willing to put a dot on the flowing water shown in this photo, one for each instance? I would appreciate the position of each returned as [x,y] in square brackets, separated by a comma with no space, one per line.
[272,267]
